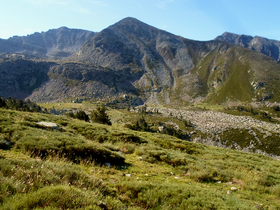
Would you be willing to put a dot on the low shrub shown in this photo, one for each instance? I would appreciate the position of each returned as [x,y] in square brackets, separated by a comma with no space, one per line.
[56,197]
[101,134]
[26,176]
[177,196]
[64,145]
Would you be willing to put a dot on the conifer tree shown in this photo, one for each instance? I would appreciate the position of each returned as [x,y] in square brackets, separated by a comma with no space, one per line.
[100,116]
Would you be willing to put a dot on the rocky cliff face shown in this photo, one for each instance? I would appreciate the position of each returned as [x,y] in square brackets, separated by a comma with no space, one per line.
[55,43]
[268,47]
[19,78]
[157,57]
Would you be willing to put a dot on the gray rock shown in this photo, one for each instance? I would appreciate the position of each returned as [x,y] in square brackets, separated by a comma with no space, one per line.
[108,164]
[50,125]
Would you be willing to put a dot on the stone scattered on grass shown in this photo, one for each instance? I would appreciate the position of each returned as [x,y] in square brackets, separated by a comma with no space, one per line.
[229,192]
[233,188]
[50,125]
[128,175]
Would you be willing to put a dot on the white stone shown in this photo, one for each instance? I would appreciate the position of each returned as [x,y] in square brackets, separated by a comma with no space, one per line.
[229,192]
[48,125]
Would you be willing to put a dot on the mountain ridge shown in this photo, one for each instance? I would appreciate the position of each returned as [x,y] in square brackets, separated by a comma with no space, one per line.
[133,58]
[54,43]
[266,46]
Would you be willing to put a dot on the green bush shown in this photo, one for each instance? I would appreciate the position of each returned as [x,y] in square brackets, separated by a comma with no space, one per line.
[101,134]
[81,115]
[60,197]
[100,116]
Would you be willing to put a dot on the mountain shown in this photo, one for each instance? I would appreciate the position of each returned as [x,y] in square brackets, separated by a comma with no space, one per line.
[55,43]
[168,69]
[268,47]
[154,66]
[150,59]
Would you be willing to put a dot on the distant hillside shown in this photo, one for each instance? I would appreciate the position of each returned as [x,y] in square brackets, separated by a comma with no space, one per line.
[268,47]
[19,77]
[55,43]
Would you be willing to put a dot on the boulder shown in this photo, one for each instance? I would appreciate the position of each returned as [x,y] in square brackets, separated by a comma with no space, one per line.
[49,125]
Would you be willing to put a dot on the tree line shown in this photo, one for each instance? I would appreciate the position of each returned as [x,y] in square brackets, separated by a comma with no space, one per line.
[20,105]
[98,116]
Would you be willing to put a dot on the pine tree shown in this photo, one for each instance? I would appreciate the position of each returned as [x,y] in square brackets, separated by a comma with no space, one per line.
[81,115]
[100,116]
[3,102]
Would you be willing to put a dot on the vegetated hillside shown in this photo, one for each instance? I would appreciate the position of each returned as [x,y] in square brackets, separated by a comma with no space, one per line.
[92,166]
[55,43]
[266,46]
[231,73]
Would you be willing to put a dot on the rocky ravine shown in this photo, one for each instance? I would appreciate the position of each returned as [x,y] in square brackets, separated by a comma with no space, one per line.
[255,133]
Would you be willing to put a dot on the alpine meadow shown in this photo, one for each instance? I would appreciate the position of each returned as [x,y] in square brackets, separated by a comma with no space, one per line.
[134,117]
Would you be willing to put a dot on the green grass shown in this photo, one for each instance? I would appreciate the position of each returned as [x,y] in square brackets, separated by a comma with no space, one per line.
[171,173]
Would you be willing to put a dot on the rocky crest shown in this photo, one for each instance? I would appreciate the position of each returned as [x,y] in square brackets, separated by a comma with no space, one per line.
[268,47]
[55,43]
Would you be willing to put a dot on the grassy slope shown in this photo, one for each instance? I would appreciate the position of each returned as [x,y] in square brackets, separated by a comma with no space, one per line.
[229,73]
[65,176]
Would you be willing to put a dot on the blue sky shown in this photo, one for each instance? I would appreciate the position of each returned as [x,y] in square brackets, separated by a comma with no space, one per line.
[192,19]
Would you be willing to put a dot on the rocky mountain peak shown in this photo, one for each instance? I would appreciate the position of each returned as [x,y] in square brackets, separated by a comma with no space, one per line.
[266,46]
[54,43]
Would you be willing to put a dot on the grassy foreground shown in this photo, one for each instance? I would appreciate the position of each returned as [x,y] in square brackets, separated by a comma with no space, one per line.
[92,166]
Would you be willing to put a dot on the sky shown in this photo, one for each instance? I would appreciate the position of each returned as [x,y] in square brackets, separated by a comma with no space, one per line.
[193,19]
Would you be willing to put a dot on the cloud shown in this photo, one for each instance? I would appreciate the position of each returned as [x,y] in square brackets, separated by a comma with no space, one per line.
[162,3]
